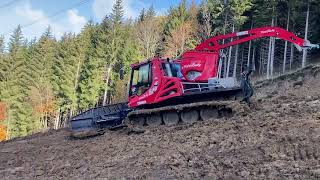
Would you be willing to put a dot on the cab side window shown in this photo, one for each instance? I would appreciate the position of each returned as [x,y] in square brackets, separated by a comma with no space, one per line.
[172,70]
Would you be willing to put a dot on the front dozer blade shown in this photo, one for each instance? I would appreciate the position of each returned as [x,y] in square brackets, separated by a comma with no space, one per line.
[83,125]
[96,120]
[86,133]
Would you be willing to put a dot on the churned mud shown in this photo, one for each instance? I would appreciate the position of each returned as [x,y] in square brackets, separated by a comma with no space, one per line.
[277,138]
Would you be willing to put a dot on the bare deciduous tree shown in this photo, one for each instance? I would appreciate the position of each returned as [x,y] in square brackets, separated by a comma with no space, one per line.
[178,40]
[206,28]
[148,36]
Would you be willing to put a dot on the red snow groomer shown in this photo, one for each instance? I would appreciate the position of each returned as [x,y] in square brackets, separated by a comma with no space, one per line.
[184,90]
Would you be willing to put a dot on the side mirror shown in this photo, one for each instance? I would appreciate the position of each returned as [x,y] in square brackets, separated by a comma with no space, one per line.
[121,73]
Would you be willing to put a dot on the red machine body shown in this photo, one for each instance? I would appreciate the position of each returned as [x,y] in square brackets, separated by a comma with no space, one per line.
[158,80]
[206,63]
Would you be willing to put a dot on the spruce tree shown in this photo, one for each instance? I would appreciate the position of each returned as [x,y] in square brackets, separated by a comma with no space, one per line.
[14,93]
[142,15]
[315,21]
[117,12]
[41,73]
[91,79]
[114,37]
[2,45]
[2,65]
[150,12]
[211,18]
[64,74]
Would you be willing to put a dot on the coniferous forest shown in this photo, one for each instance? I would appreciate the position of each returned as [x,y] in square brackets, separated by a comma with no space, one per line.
[45,81]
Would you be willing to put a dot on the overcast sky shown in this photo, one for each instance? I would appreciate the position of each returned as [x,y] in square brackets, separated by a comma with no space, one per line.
[71,19]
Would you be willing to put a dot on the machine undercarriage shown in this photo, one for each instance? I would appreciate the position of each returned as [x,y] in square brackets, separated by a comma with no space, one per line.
[198,104]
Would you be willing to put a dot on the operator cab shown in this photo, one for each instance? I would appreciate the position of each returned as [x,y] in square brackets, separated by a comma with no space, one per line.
[141,75]
[154,81]
[141,79]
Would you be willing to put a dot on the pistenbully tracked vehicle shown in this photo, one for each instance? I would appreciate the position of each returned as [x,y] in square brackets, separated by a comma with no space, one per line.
[193,87]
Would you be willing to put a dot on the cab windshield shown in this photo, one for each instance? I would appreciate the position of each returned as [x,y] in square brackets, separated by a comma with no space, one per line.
[141,80]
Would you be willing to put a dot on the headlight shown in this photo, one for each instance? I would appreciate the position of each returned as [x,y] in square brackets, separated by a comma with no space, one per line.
[192,75]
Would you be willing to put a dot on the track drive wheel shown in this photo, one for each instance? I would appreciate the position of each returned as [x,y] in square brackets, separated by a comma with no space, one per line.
[154,120]
[226,112]
[138,121]
[170,118]
[209,113]
[189,116]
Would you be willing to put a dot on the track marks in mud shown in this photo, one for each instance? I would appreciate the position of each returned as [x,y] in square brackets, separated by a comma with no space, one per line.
[278,138]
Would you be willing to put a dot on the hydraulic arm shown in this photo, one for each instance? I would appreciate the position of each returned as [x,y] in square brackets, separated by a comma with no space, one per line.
[215,43]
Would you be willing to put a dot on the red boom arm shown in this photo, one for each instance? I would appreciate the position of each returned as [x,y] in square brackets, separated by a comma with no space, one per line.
[212,44]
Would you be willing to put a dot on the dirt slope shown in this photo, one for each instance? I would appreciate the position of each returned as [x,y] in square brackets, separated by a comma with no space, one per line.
[279,138]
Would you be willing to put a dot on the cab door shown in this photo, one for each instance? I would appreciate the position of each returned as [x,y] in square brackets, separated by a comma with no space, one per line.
[141,81]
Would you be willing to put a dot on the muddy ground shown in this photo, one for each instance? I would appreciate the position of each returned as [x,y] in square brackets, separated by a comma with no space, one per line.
[279,138]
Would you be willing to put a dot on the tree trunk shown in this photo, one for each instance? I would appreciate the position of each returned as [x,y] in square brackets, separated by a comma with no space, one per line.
[274,22]
[57,120]
[223,41]
[206,28]
[249,55]
[45,118]
[249,52]
[291,56]
[224,66]
[260,65]
[76,83]
[229,55]
[269,59]
[182,44]
[106,86]
[261,60]
[286,45]
[235,61]
[220,67]
[270,53]
[253,59]
[272,56]
[305,53]
[8,125]
[242,60]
